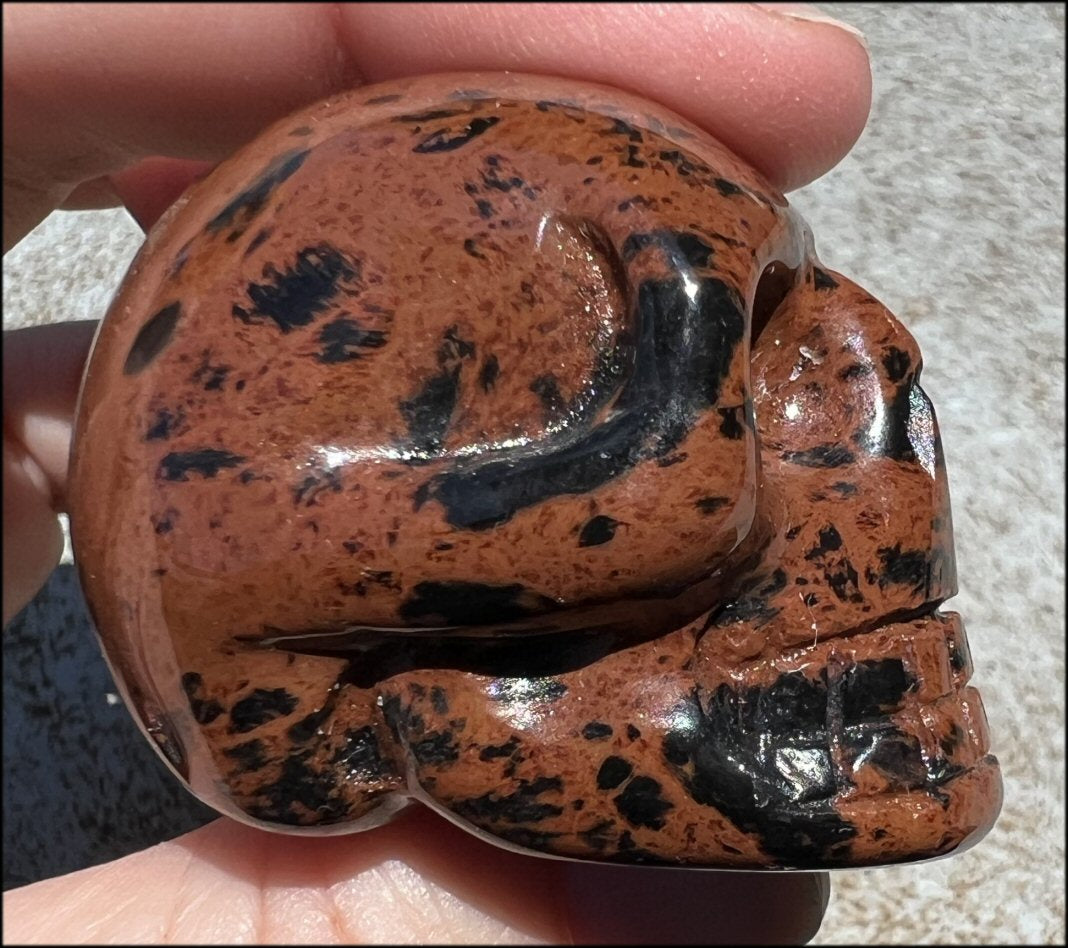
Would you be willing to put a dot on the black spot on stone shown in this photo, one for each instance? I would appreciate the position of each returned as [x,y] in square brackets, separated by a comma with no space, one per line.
[759,756]
[613,771]
[383,99]
[619,127]
[452,602]
[633,733]
[248,756]
[844,488]
[829,539]
[471,248]
[548,391]
[309,489]
[258,240]
[250,201]
[442,141]
[294,297]
[952,741]
[727,188]
[493,751]
[632,160]
[709,505]
[897,363]
[842,577]
[793,532]
[598,530]
[596,730]
[343,338]
[597,836]
[484,208]
[752,605]
[903,568]
[403,721]
[437,747]
[301,793]
[359,756]
[429,116]
[263,705]
[731,427]
[823,455]
[307,727]
[684,165]
[888,434]
[682,248]
[640,803]
[428,412]
[207,462]
[439,701]
[810,599]
[210,377]
[857,370]
[163,425]
[522,806]
[489,373]
[823,280]
[204,711]
[493,179]
[895,754]
[873,688]
[152,338]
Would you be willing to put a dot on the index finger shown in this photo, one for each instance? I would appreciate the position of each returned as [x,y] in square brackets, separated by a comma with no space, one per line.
[91,88]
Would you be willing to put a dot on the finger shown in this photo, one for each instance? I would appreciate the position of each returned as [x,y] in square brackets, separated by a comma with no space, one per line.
[92,195]
[38,418]
[418,880]
[790,95]
[146,189]
[88,90]
[33,541]
[691,907]
[151,186]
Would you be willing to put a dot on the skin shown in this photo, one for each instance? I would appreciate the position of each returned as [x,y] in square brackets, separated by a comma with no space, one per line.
[130,103]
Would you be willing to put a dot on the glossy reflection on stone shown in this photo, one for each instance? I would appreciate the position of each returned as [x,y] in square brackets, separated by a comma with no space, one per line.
[500,442]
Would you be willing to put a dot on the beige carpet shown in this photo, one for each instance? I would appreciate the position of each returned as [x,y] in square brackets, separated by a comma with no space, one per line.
[950,210]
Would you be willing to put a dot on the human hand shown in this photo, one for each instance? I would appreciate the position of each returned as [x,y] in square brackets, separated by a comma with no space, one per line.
[93,97]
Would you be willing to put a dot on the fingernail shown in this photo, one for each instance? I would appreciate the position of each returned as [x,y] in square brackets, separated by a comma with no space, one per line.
[638,905]
[813,14]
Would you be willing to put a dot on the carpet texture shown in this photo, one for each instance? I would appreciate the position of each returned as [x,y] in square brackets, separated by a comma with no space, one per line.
[951,211]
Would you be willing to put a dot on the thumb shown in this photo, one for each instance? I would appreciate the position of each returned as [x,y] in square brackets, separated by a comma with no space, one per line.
[42,373]
[418,880]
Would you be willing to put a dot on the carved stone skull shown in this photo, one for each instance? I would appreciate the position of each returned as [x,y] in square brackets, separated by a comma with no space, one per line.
[500,443]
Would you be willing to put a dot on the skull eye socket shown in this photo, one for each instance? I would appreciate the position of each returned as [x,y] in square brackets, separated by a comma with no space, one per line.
[775,282]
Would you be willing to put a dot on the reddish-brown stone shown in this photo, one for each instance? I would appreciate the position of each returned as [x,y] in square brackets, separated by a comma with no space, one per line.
[499,442]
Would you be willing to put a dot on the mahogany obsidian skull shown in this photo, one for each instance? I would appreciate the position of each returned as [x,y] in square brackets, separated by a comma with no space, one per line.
[499,442]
